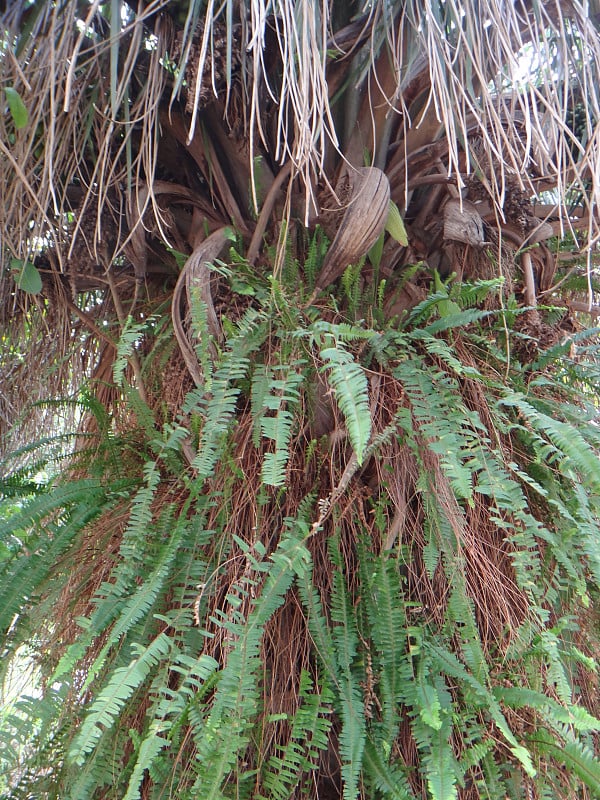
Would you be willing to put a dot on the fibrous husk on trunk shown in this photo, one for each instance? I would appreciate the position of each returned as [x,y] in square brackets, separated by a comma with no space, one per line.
[462,222]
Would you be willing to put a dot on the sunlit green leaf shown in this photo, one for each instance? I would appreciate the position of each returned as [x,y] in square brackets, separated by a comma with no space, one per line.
[27,277]
[17,108]
[395,225]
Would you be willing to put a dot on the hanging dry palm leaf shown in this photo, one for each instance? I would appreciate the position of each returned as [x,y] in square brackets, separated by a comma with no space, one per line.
[195,278]
[366,193]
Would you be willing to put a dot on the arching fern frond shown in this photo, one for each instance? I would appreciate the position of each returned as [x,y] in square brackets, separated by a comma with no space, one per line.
[308,737]
[224,734]
[350,387]
[105,710]
[281,399]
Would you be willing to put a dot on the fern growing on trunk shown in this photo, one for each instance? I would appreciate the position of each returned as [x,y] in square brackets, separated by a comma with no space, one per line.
[429,589]
[301,495]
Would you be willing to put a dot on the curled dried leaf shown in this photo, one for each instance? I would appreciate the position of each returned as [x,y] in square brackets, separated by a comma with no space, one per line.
[364,220]
[196,274]
[462,223]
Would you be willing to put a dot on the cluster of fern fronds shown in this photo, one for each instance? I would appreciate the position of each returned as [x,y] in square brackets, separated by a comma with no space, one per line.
[374,577]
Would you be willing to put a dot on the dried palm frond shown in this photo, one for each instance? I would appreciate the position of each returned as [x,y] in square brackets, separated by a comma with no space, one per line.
[510,74]
[80,124]
[195,277]
[367,194]
[39,387]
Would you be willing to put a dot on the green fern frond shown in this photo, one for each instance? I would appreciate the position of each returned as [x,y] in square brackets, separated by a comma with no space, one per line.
[468,295]
[457,320]
[577,757]
[202,337]
[168,714]
[24,574]
[451,431]
[449,664]
[440,765]
[106,708]
[131,335]
[219,411]
[571,448]
[226,731]
[282,398]
[148,750]
[138,604]
[430,708]
[427,700]
[317,250]
[353,734]
[383,593]
[261,380]
[351,286]
[345,332]
[553,713]
[308,737]
[388,780]
[445,352]
[420,315]
[318,625]
[140,515]
[462,615]
[350,387]
[584,763]
[218,408]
